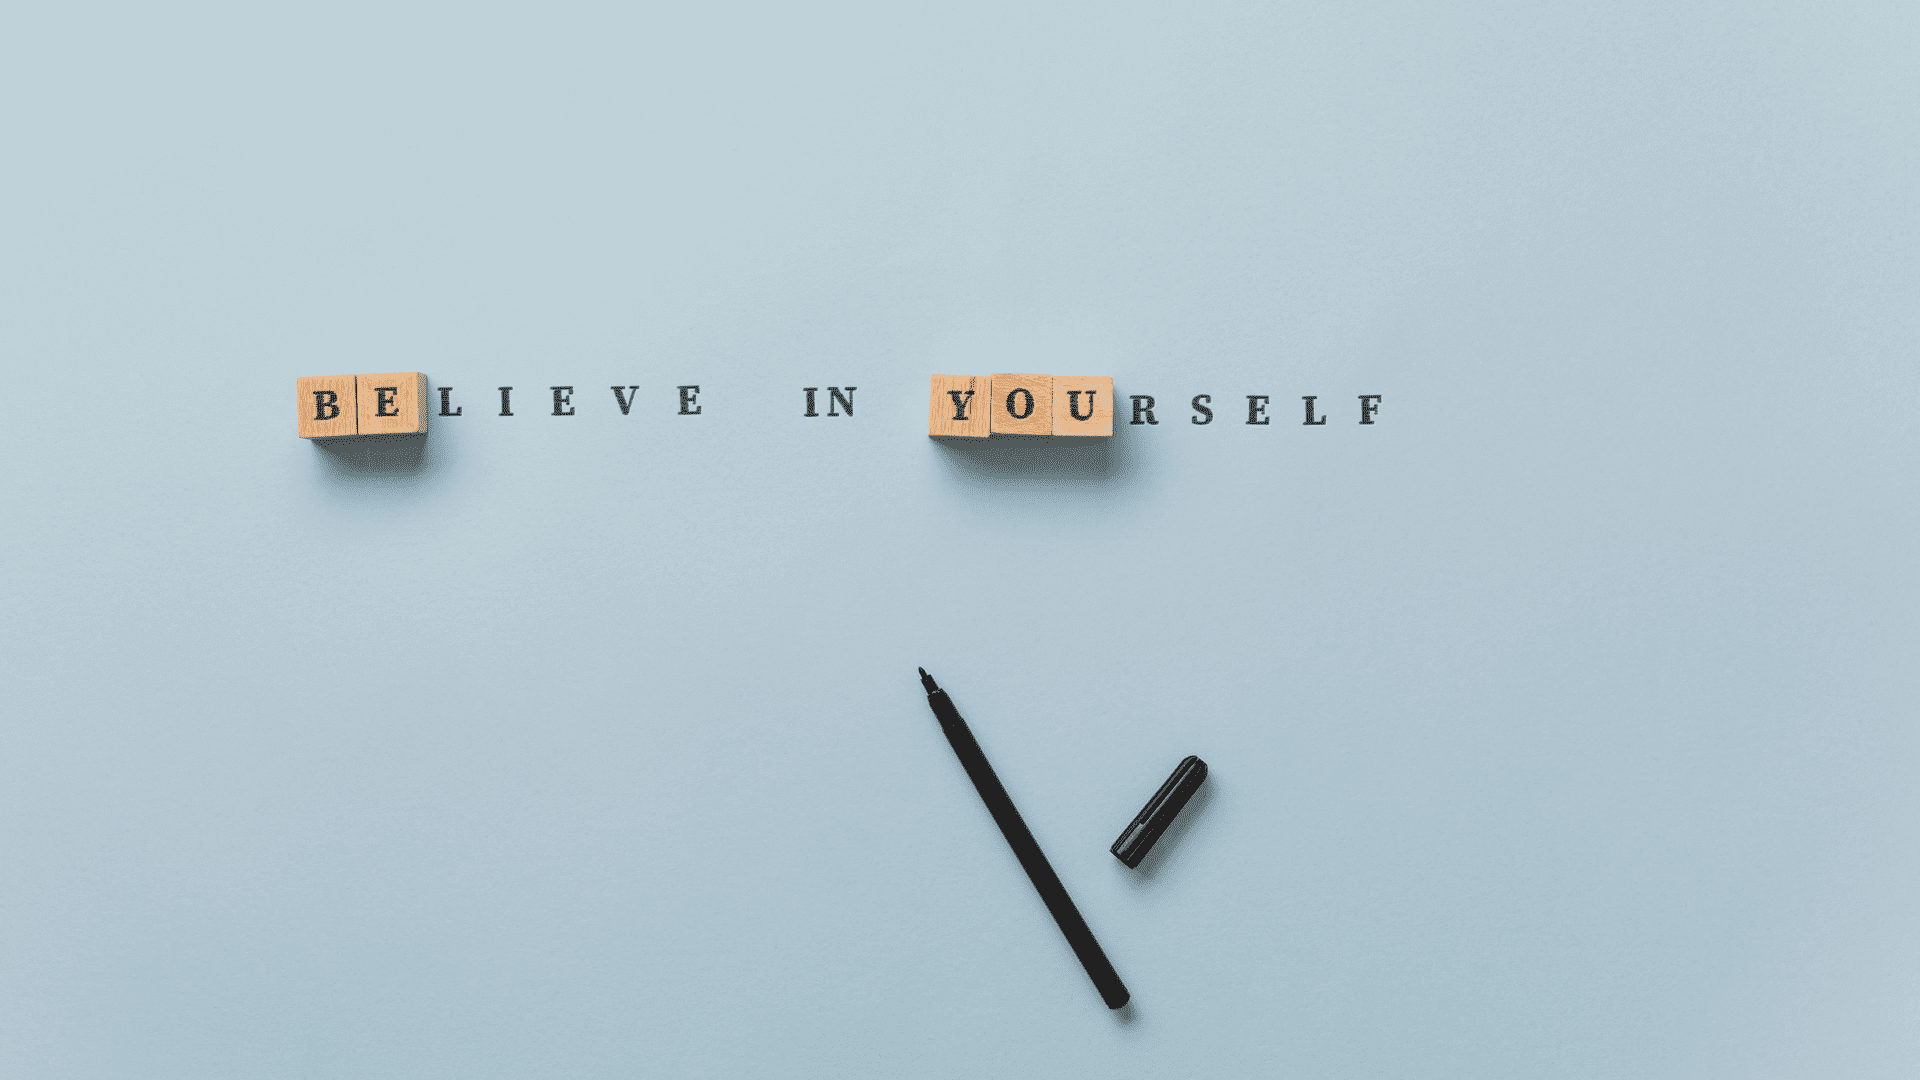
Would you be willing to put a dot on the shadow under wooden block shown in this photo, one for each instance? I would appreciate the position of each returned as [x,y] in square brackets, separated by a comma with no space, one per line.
[1083,405]
[1022,404]
[394,403]
[326,406]
[375,459]
[1073,461]
[957,407]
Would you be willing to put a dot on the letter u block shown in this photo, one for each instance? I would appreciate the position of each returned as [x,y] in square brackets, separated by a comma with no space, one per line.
[1022,404]
[1082,405]
[958,407]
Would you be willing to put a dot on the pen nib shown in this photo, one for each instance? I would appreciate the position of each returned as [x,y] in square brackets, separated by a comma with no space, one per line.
[926,680]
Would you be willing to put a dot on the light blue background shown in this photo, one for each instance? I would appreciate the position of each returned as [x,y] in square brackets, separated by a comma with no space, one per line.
[1561,723]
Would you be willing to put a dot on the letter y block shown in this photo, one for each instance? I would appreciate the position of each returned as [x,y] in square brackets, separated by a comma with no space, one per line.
[957,407]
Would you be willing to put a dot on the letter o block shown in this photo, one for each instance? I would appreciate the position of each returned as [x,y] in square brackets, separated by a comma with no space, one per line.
[1022,404]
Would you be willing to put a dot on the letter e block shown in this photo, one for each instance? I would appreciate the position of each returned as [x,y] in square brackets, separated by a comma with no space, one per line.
[326,406]
[393,404]
[1083,405]
[1022,404]
[958,407]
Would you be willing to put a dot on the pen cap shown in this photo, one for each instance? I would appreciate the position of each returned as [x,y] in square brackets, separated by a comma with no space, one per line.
[1153,818]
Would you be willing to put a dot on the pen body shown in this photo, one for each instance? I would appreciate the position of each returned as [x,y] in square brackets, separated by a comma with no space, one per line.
[1027,850]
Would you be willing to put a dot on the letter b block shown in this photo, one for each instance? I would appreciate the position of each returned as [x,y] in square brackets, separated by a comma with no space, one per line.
[1082,405]
[326,407]
[958,406]
[1022,404]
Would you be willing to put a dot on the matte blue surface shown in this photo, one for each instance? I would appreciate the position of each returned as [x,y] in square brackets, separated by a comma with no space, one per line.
[1561,724]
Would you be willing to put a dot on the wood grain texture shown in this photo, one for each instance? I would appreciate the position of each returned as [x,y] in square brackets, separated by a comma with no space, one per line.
[962,417]
[326,407]
[1022,404]
[393,403]
[1083,405]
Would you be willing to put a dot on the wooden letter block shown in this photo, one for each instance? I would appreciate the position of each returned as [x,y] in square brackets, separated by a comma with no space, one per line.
[326,406]
[393,404]
[1082,405]
[958,407]
[1022,404]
